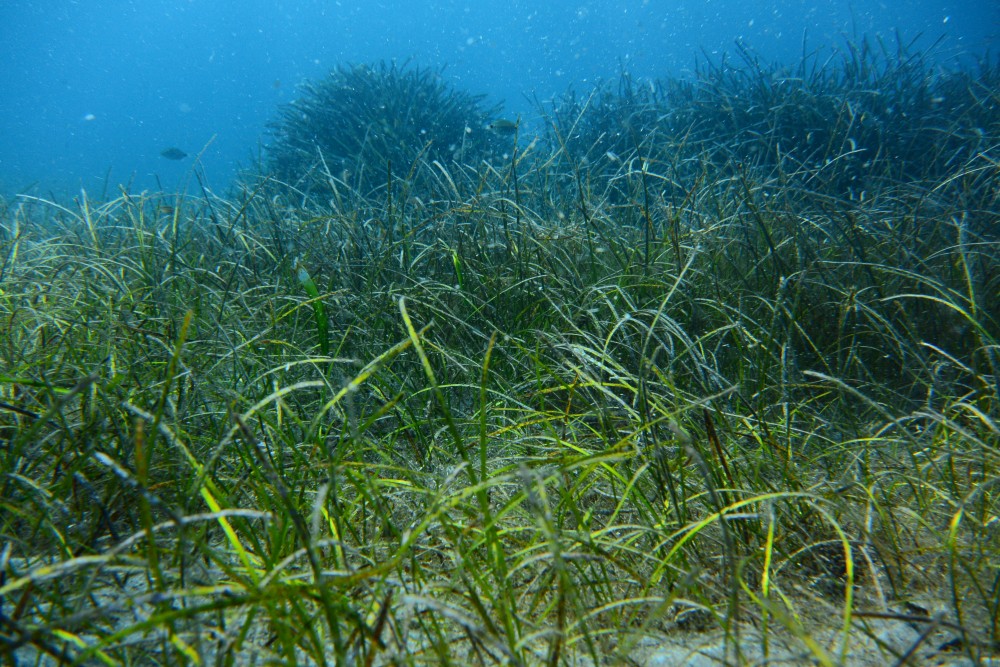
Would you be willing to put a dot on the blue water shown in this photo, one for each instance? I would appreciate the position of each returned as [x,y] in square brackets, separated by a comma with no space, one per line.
[91,91]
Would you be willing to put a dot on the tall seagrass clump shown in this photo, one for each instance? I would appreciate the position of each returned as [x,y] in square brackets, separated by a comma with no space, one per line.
[866,117]
[872,117]
[360,118]
[610,124]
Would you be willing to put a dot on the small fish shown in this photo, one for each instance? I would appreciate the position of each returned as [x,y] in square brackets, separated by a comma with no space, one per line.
[502,126]
[165,209]
[173,153]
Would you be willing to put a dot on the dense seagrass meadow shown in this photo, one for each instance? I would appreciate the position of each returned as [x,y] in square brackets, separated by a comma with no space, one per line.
[692,371]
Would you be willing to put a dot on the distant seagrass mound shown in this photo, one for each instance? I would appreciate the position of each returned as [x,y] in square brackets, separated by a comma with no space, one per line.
[360,119]
[869,116]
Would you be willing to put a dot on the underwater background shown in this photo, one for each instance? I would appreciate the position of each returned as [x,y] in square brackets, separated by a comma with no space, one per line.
[567,333]
[93,92]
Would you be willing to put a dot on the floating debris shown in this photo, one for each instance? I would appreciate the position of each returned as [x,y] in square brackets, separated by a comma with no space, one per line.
[173,153]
